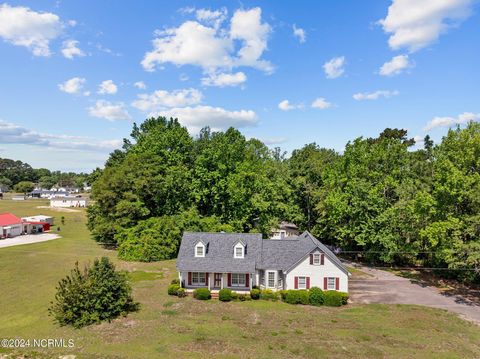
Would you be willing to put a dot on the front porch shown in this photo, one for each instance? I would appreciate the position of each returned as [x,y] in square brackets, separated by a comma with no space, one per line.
[237,282]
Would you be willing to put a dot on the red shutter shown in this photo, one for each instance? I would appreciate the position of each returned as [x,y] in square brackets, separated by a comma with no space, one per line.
[322,259]
[189,278]
[247,280]
[206,278]
[337,283]
[308,282]
[311,258]
[325,283]
[296,282]
[229,279]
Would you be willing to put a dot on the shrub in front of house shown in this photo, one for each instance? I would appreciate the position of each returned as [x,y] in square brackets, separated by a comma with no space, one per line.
[225,295]
[344,298]
[333,298]
[202,294]
[283,294]
[173,289]
[181,292]
[268,294]
[175,281]
[96,293]
[316,296]
[243,297]
[297,297]
[255,293]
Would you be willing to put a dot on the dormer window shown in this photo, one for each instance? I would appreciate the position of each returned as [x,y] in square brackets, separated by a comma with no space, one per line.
[200,250]
[239,251]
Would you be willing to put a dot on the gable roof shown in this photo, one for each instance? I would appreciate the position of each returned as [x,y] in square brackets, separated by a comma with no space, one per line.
[280,254]
[219,257]
[7,219]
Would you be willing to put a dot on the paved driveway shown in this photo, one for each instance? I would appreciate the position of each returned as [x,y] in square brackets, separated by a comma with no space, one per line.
[27,239]
[388,288]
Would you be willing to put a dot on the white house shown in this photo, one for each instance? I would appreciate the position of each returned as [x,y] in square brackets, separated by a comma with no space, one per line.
[39,218]
[68,202]
[285,229]
[240,261]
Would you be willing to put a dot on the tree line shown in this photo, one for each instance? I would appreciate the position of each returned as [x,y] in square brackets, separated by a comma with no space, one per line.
[382,198]
[21,177]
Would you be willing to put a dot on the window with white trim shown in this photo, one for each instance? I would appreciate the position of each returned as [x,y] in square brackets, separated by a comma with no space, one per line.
[200,250]
[271,279]
[199,278]
[238,280]
[316,258]
[238,251]
[302,282]
[331,283]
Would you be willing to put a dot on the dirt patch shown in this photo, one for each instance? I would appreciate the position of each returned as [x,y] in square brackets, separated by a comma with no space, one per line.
[59,209]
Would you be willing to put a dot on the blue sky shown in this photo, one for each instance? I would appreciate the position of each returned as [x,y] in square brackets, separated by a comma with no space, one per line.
[74,76]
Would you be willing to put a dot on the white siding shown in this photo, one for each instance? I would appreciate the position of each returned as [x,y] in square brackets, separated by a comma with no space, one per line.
[11,230]
[316,274]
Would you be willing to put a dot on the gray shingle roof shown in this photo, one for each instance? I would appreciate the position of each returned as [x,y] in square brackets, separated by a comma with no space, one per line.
[219,257]
[280,254]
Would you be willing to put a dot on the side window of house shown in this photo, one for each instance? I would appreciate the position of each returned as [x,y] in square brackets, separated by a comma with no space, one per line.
[316,258]
[271,279]
[331,283]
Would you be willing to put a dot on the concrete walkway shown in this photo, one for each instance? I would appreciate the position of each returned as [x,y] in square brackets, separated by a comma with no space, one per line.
[385,287]
[27,239]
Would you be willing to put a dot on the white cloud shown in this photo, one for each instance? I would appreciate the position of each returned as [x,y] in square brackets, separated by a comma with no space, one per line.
[335,67]
[73,86]
[211,47]
[299,33]
[224,79]
[396,65]
[109,111]
[461,119]
[414,24]
[321,103]
[107,87]
[374,95]
[285,105]
[21,26]
[195,118]
[162,99]
[11,133]
[211,17]
[70,49]
[140,85]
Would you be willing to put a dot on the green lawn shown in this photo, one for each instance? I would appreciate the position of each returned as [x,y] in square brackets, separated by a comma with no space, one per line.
[185,328]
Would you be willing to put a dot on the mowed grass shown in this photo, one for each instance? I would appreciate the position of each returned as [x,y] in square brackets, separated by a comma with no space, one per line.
[170,327]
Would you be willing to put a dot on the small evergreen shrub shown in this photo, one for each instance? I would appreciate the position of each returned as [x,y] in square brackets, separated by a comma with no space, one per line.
[175,281]
[316,296]
[181,292]
[94,294]
[202,294]
[333,298]
[268,294]
[173,289]
[243,297]
[344,298]
[283,294]
[225,295]
[234,296]
[255,293]
[297,297]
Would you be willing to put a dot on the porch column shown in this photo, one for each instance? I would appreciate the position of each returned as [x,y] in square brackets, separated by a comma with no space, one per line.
[208,284]
[250,280]
[221,282]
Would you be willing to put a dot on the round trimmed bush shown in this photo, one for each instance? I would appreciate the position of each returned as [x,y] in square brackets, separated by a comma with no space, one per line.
[225,295]
[173,289]
[316,296]
[333,298]
[297,297]
[255,293]
[202,294]
[181,292]
[268,294]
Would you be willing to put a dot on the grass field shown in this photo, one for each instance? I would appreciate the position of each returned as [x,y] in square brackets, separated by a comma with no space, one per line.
[168,327]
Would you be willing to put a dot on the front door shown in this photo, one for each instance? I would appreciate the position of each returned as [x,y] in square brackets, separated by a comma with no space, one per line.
[217,280]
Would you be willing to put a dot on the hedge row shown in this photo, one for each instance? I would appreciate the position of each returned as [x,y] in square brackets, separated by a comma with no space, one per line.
[313,296]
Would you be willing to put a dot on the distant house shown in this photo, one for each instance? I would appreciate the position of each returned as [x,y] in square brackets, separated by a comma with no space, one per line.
[41,193]
[68,201]
[240,261]
[10,225]
[284,230]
